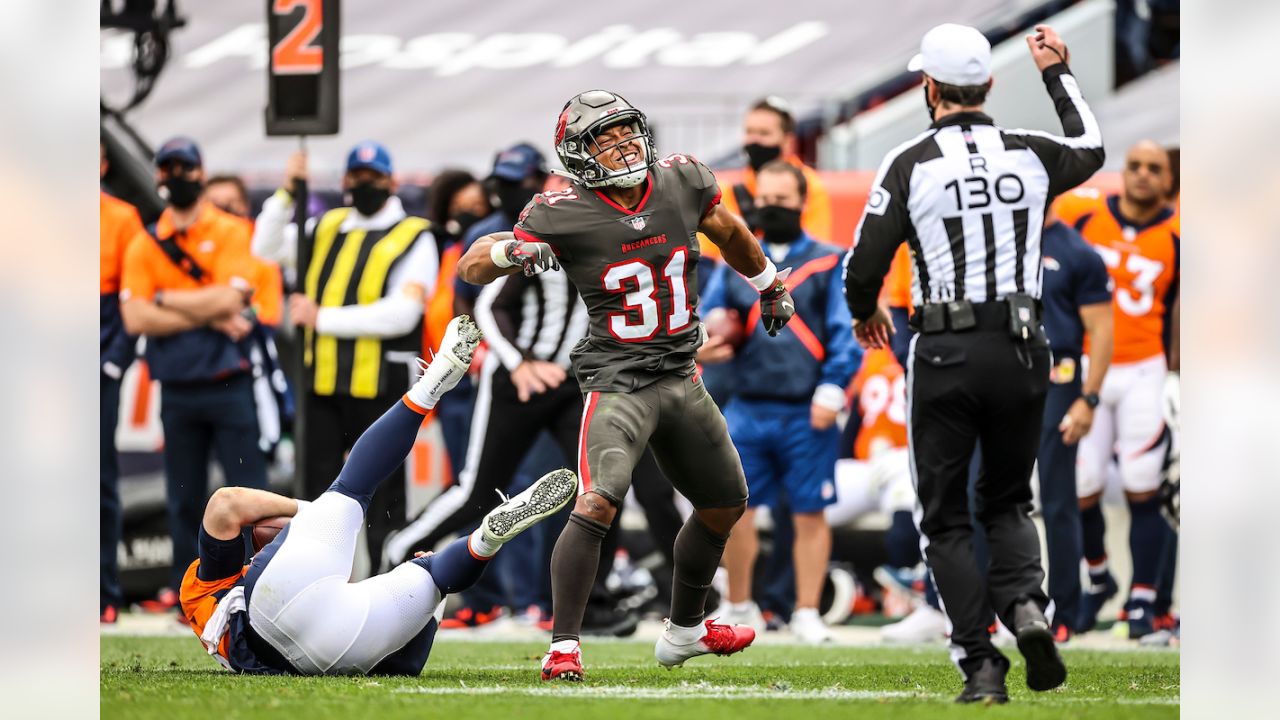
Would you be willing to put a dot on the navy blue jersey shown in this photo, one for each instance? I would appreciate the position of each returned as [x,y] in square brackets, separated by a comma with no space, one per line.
[1074,276]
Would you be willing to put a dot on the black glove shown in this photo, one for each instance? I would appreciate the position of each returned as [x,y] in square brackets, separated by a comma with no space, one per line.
[776,307]
[533,257]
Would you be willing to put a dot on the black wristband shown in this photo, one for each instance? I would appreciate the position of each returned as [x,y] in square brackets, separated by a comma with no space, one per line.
[1091,399]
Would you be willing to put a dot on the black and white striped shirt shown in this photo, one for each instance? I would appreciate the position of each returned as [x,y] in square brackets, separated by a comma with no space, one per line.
[539,318]
[969,197]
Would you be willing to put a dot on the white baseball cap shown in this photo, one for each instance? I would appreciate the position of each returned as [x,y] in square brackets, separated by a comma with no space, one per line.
[955,55]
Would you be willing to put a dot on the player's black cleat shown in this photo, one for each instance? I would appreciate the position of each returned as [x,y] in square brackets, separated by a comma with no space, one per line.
[1045,669]
[986,684]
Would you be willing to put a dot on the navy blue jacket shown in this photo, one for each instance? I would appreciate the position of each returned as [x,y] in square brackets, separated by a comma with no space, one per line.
[815,348]
[1074,276]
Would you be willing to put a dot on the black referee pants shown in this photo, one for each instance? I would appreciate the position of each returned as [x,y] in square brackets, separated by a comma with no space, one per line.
[966,388]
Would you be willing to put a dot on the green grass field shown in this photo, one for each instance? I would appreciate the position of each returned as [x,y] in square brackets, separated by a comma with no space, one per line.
[171,678]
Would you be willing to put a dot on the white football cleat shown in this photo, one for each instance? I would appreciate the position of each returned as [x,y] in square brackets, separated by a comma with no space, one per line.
[925,624]
[808,627]
[449,365]
[716,639]
[520,512]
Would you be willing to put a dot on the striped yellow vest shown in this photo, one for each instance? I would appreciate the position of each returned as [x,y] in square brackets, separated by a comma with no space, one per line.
[352,269]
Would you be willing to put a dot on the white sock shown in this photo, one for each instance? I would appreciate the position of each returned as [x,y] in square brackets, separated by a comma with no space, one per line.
[564,646]
[685,635]
[743,607]
[481,546]
[805,614]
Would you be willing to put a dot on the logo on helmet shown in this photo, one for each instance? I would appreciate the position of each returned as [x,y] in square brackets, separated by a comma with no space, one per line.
[560,124]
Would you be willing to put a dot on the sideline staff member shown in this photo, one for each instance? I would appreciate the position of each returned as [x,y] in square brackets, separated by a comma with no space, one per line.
[372,267]
[970,199]
[185,287]
[1077,302]
[768,134]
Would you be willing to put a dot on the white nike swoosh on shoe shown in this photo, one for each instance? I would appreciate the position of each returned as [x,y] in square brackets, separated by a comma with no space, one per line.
[789,306]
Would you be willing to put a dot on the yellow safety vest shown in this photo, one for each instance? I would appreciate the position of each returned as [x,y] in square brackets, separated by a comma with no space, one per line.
[351,269]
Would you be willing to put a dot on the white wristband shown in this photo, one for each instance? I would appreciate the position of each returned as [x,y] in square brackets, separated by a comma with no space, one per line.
[765,279]
[498,254]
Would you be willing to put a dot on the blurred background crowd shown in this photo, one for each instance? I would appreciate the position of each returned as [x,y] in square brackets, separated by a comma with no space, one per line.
[263,301]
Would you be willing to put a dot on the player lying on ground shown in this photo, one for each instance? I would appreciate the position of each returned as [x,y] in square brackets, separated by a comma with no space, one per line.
[293,609]
[624,232]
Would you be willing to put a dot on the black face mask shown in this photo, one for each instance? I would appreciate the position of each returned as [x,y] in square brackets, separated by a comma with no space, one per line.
[760,155]
[368,198]
[183,193]
[780,225]
[512,197]
[460,223]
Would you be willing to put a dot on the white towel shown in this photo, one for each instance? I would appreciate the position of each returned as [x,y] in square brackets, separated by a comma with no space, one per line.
[220,622]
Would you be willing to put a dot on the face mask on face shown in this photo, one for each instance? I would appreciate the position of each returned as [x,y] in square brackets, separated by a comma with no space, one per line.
[512,197]
[368,198]
[760,155]
[460,223]
[183,193]
[780,224]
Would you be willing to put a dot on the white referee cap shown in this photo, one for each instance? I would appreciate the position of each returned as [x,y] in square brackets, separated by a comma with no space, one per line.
[955,55]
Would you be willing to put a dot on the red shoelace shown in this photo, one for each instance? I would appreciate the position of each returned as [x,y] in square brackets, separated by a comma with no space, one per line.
[719,638]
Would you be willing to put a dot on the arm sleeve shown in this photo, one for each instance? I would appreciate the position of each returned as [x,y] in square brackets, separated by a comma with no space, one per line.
[219,559]
[1077,154]
[843,354]
[495,316]
[396,313]
[275,236]
[884,225]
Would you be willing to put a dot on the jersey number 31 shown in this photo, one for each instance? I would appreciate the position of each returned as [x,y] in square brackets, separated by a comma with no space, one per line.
[638,281]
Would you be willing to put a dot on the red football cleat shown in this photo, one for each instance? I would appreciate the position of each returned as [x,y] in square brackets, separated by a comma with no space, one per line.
[164,601]
[109,615]
[719,640]
[566,666]
[467,618]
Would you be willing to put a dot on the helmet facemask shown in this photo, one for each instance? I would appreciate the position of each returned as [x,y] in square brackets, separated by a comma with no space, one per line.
[584,154]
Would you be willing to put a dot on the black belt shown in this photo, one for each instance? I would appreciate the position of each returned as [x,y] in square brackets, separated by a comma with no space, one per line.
[963,316]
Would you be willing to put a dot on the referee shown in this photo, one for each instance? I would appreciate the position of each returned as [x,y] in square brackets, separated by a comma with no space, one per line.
[969,198]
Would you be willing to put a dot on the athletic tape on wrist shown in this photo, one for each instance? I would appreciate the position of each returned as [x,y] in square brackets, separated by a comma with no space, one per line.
[498,254]
[765,279]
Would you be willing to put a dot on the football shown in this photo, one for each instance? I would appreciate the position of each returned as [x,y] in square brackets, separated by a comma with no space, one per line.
[264,531]
[727,325]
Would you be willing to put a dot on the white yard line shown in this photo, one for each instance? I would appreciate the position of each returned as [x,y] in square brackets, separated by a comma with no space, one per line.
[697,691]
[685,691]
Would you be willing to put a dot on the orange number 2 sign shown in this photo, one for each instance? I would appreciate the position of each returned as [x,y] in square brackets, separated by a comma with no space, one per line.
[294,54]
